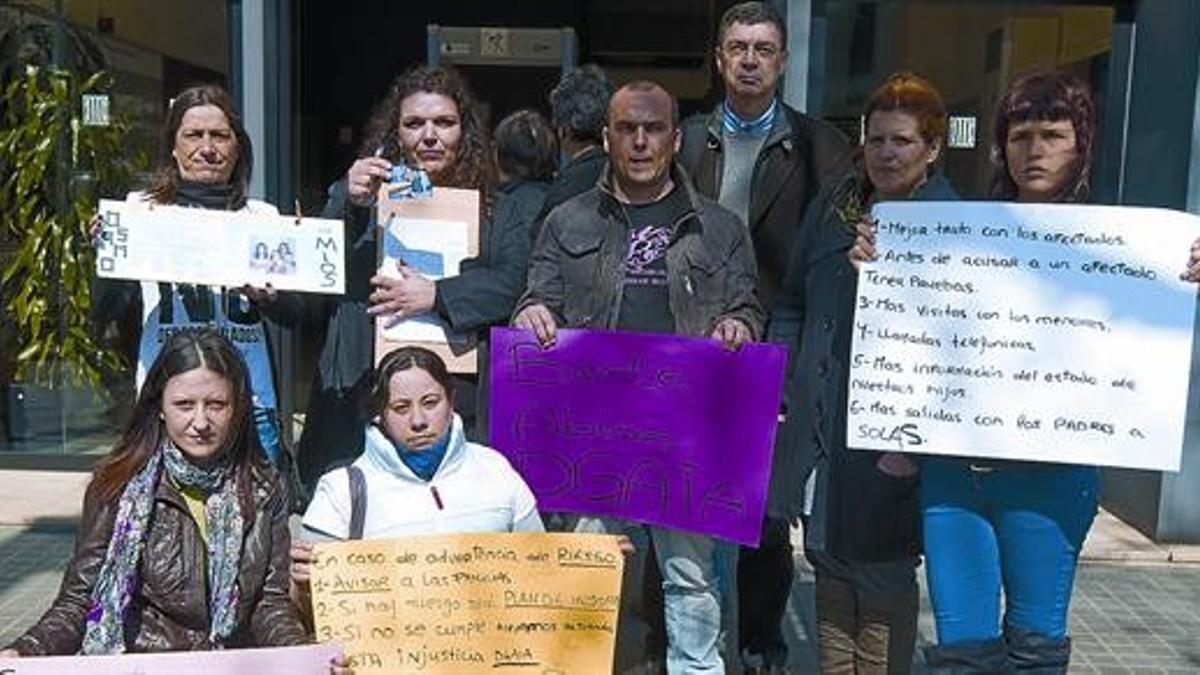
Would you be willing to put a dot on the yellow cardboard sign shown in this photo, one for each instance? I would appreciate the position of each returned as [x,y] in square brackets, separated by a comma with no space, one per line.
[472,603]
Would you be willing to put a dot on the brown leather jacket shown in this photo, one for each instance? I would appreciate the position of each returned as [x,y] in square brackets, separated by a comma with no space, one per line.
[169,610]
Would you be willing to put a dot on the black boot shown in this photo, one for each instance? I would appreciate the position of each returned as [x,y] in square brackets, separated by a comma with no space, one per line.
[1035,654]
[987,657]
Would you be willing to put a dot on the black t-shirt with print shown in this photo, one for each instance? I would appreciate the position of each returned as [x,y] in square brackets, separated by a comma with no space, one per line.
[645,301]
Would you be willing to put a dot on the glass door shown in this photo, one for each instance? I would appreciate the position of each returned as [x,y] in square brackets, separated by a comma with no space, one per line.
[972,50]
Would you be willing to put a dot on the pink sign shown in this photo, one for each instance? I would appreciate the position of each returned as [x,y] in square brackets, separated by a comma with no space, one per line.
[304,660]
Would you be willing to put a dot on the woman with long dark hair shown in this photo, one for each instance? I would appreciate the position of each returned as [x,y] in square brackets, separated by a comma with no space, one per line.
[428,121]
[184,541]
[206,163]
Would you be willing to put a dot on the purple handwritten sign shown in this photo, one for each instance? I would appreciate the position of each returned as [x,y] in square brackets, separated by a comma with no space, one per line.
[661,429]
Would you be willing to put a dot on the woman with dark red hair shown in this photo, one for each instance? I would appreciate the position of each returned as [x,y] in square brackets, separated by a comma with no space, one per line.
[859,507]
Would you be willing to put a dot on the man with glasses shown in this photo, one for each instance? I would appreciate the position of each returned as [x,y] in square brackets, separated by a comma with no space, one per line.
[764,161]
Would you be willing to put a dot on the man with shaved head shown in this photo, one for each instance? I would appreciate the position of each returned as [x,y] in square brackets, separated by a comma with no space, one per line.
[644,252]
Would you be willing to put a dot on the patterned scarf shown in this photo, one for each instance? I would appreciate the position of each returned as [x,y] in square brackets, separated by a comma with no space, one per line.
[118,579]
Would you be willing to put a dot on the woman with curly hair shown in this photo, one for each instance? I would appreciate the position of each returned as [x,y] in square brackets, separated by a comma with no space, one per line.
[428,121]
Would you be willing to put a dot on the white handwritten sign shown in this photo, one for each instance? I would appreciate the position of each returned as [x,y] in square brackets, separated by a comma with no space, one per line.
[219,248]
[305,660]
[1056,333]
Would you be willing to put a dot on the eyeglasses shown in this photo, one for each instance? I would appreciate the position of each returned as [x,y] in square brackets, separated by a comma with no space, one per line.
[763,50]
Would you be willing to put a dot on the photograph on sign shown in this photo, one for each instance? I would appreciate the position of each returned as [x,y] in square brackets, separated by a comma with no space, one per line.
[434,249]
[1044,332]
[431,234]
[219,248]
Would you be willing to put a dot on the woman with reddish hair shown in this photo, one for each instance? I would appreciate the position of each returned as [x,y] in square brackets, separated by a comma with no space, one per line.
[859,507]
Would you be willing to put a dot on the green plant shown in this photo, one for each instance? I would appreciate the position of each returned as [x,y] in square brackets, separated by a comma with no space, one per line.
[53,171]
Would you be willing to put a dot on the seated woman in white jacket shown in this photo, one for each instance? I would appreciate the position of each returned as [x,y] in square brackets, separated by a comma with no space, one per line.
[418,474]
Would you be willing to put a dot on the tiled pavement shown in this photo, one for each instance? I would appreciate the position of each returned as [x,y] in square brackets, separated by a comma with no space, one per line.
[31,565]
[1126,618]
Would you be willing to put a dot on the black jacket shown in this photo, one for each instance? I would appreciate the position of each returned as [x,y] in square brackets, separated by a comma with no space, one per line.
[577,177]
[858,512]
[169,609]
[799,157]
[480,296]
[530,199]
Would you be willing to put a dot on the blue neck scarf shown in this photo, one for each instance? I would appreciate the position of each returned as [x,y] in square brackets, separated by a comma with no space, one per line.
[424,463]
[732,124]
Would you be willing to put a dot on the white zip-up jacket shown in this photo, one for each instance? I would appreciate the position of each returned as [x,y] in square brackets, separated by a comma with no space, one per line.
[474,489]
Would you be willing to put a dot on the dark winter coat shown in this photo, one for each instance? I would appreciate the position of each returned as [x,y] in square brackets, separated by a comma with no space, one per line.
[858,512]
[480,296]
[578,176]
[800,156]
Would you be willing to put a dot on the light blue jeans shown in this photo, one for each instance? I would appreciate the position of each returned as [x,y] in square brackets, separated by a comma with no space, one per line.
[691,593]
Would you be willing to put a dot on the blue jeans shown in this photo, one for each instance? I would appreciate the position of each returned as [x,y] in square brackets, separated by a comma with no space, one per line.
[1019,525]
[691,593]
[267,426]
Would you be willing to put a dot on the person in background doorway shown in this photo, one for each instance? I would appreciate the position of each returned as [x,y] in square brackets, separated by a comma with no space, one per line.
[526,154]
[579,104]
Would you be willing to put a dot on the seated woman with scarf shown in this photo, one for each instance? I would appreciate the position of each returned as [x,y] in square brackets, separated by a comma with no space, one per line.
[183,543]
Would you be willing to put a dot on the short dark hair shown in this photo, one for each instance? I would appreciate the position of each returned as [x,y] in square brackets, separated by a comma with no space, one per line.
[525,146]
[166,183]
[1049,97]
[751,13]
[650,85]
[403,359]
[579,103]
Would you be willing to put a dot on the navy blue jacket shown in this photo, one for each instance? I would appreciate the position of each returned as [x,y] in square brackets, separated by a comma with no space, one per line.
[858,512]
